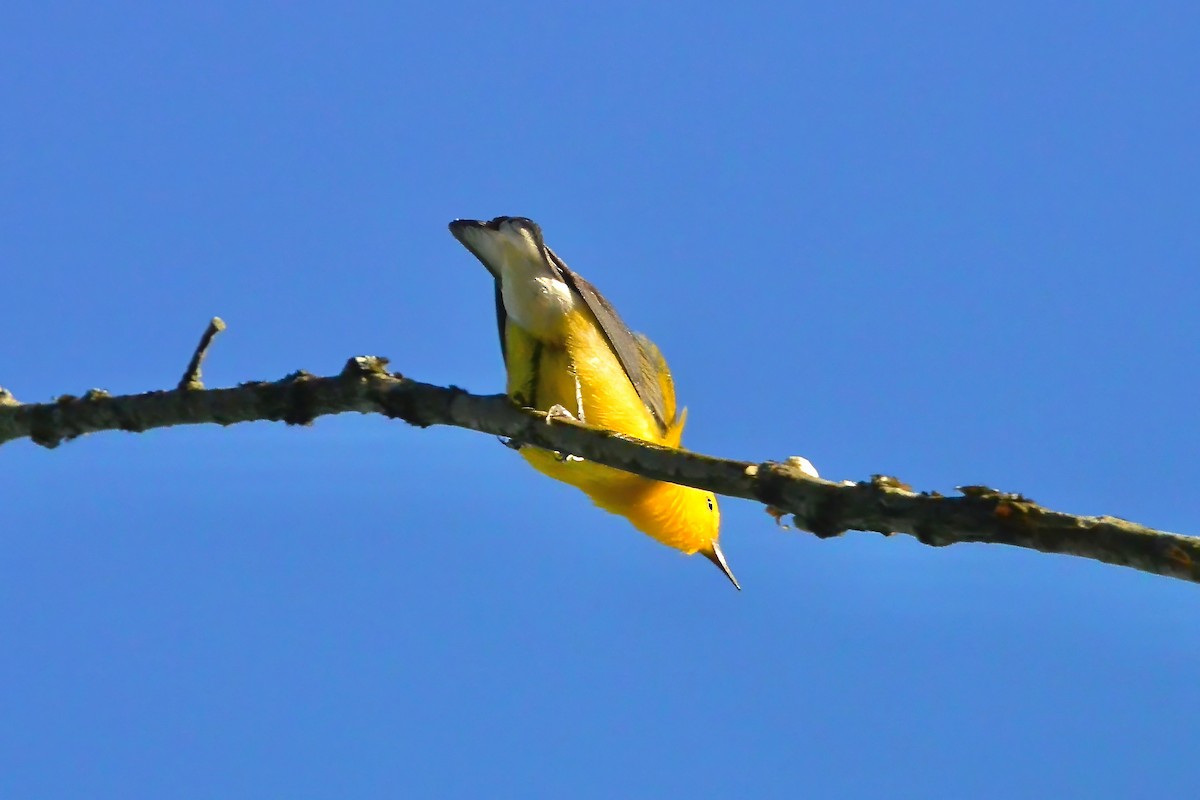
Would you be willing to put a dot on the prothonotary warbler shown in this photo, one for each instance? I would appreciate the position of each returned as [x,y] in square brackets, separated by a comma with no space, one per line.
[567,351]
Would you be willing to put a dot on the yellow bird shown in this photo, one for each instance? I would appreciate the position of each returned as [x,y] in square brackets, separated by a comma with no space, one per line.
[567,352]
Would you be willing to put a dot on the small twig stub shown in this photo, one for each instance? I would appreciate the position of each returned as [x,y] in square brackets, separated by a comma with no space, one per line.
[191,378]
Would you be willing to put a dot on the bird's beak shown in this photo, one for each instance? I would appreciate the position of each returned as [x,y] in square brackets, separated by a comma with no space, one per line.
[480,237]
[715,555]
[501,239]
[459,227]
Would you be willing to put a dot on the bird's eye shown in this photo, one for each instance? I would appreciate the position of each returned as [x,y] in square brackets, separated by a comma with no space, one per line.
[710,504]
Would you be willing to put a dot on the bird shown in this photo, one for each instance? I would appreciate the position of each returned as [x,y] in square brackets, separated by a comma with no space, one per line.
[567,352]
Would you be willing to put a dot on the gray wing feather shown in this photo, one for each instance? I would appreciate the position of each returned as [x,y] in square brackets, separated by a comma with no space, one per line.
[502,323]
[623,342]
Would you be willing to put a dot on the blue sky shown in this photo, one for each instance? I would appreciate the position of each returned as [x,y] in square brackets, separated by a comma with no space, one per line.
[952,243]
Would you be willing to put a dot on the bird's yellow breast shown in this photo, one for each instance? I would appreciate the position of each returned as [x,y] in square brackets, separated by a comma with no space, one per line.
[574,366]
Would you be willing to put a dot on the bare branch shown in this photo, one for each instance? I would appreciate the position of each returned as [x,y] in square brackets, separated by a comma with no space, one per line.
[191,378]
[826,509]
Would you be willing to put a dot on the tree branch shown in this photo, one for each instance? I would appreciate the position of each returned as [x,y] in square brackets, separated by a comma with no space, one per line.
[881,504]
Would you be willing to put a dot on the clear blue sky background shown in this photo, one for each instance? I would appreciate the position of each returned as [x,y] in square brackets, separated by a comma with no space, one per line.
[959,245]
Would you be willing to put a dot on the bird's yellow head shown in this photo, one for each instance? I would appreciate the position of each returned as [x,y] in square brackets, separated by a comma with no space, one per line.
[678,516]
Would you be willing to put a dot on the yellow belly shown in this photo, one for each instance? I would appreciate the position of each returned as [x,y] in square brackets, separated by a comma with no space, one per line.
[579,371]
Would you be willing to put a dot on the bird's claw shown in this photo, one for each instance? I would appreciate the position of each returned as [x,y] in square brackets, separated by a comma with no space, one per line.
[557,413]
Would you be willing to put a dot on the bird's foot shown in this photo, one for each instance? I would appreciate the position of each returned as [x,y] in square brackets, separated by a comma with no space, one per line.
[558,413]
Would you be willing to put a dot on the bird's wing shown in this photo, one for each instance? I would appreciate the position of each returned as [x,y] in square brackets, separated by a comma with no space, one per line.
[502,323]
[656,365]
[639,366]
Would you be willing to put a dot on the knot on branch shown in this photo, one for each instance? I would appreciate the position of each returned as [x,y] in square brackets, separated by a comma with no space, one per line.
[821,513]
[366,367]
[300,407]
[51,424]
[43,430]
